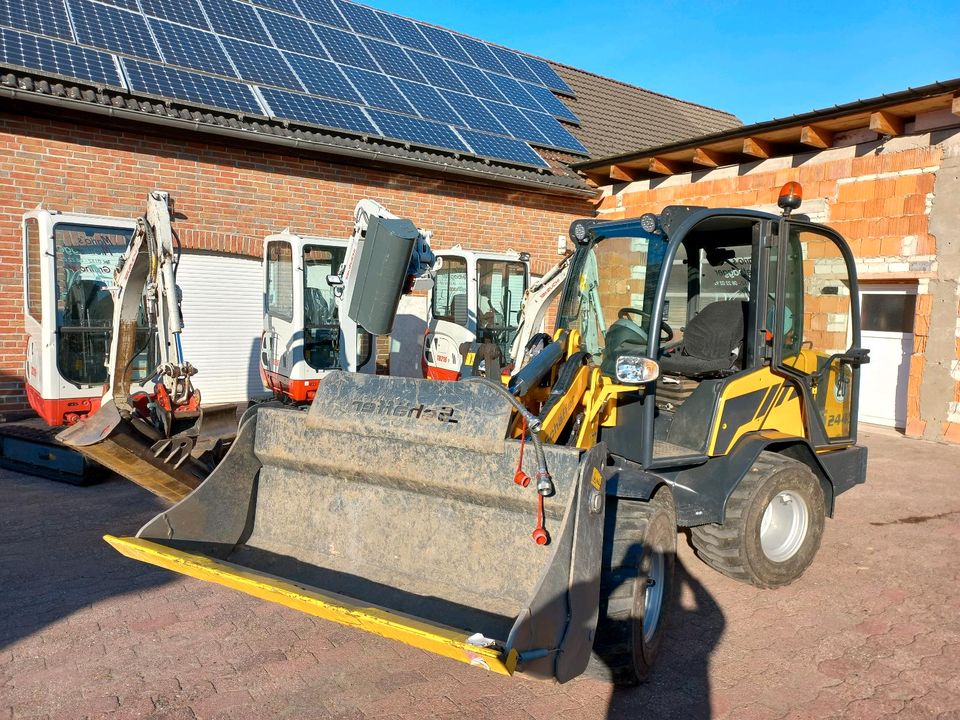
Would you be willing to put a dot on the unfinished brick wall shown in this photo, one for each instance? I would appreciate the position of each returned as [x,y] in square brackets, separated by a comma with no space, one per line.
[877,195]
[232,197]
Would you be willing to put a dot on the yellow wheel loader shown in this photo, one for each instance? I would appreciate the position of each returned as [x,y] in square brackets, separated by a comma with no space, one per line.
[703,373]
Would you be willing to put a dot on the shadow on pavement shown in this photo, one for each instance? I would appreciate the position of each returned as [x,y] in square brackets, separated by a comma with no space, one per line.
[54,561]
[679,686]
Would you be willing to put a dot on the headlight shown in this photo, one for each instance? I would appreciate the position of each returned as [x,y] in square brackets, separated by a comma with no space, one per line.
[636,370]
[649,222]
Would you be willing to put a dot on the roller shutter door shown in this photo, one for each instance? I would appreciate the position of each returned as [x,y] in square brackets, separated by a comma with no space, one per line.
[223,317]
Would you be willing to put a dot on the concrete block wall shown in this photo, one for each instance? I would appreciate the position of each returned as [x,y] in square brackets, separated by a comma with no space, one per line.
[896,201]
[232,197]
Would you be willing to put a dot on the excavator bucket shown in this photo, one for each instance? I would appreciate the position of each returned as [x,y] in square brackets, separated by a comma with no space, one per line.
[168,467]
[391,507]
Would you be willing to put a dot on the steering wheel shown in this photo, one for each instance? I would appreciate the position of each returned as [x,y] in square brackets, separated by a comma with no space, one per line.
[666,332]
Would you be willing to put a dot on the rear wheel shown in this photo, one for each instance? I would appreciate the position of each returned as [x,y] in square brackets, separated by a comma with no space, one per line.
[636,587]
[773,526]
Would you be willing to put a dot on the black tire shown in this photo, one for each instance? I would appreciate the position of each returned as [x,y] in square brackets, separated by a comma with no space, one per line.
[735,548]
[640,540]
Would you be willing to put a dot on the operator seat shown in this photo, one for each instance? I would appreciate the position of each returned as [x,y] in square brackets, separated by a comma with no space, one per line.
[712,341]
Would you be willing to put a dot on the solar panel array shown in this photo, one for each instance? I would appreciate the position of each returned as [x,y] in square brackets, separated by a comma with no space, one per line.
[329,63]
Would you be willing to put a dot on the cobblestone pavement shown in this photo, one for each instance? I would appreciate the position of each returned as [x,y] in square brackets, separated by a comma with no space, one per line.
[871,630]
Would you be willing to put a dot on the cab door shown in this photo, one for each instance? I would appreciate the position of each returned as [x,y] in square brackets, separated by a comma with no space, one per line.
[816,328]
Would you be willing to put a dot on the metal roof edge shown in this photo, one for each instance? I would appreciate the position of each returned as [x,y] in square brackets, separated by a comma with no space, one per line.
[312,146]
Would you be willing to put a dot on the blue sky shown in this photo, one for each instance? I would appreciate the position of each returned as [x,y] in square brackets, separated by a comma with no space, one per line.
[757,60]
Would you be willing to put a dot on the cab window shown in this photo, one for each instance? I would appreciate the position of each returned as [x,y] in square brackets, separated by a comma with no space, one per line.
[450,300]
[279,291]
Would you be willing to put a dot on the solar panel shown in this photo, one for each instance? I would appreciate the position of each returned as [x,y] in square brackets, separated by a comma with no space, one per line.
[364,20]
[481,54]
[58,58]
[332,63]
[192,48]
[477,82]
[187,12]
[516,122]
[290,33]
[393,60]
[317,111]
[345,48]
[549,102]
[445,43]
[436,71]
[515,92]
[548,76]
[501,147]
[235,19]
[428,102]
[473,112]
[192,87]
[259,63]
[515,65]
[111,28]
[378,91]
[323,11]
[423,132]
[406,32]
[320,77]
[555,132]
[125,4]
[47,17]
[287,6]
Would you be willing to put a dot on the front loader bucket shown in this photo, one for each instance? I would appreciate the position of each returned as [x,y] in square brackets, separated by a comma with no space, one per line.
[391,507]
[162,466]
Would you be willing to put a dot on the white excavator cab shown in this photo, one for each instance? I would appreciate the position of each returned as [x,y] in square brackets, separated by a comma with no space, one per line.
[477,296]
[68,287]
[302,328]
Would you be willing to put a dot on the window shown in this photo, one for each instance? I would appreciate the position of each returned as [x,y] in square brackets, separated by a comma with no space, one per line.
[31,240]
[450,301]
[888,312]
[321,320]
[500,289]
[280,280]
[85,258]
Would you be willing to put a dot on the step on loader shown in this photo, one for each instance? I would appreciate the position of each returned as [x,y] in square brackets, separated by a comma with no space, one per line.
[531,526]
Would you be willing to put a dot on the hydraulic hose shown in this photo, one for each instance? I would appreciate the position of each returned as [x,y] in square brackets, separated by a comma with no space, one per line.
[544,481]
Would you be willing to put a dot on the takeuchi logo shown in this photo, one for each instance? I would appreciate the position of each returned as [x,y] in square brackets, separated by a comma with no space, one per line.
[444,413]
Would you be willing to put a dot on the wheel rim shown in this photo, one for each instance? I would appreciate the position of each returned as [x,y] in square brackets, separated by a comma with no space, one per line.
[784,525]
[653,597]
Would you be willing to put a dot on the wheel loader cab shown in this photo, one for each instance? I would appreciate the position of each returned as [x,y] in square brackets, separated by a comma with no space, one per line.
[752,318]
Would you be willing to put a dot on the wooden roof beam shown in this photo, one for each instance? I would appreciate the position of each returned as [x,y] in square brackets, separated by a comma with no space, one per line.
[622,173]
[886,123]
[955,105]
[816,136]
[712,158]
[665,166]
[759,148]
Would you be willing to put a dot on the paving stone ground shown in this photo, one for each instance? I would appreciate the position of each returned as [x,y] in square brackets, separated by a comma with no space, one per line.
[872,630]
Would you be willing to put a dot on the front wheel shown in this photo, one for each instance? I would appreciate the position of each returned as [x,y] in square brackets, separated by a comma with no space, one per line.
[636,587]
[773,526]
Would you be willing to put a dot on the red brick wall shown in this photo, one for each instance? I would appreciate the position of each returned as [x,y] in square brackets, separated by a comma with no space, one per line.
[880,202]
[232,197]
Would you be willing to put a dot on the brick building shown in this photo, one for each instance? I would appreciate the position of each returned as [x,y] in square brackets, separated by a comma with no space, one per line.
[88,148]
[885,173]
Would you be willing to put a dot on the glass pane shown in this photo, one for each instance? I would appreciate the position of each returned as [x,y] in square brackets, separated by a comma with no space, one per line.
[321,331]
[500,292]
[892,313]
[31,237]
[85,258]
[450,301]
[280,280]
[615,274]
